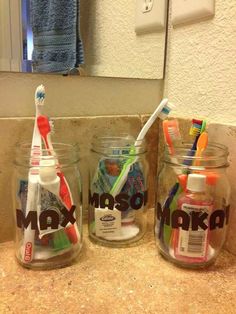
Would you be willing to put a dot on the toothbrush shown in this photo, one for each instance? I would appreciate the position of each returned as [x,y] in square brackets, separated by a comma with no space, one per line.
[45,129]
[172,137]
[64,190]
[201,146]
[162,112]
[32,195]
[171,134]
[166,205]
[49,180]
[197,127]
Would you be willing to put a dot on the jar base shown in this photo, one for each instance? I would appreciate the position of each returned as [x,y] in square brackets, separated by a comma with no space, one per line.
[131,236]
[183,264]
[59,261]
[127,233]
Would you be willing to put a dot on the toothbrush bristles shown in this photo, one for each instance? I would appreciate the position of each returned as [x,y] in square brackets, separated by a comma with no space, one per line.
[51,123]
[174,133]
[195,121]
[166,110]
[196,127]
[40,95]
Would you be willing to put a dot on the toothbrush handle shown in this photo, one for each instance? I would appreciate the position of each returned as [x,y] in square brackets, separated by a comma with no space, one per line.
[66,197]
[64,193]
[122,178]
[191,153]
[166,205]
[29,234]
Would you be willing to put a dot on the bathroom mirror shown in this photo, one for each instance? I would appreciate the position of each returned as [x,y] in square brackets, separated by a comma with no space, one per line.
[122,38]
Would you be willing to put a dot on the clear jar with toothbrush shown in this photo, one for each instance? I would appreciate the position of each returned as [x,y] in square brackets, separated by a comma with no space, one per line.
[118,190]
[192,208]
[47,206]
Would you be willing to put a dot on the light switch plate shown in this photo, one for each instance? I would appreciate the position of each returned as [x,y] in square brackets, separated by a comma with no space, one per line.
[186,11]
[150,15]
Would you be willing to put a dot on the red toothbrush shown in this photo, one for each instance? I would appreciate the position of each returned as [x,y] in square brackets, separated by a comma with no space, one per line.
[64,190]
[45,130]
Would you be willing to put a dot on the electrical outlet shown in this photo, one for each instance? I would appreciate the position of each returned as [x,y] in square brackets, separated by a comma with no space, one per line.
[186,11]
[147,5]
[150,15]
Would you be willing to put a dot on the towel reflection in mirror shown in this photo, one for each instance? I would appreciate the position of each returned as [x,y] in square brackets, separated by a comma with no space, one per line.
[56,35]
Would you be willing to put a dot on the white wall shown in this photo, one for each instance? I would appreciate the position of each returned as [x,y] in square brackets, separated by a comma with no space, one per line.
[112,47]
[201,76]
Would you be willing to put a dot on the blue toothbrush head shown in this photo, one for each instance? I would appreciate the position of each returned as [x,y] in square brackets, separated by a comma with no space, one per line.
[166,110]
[39,95]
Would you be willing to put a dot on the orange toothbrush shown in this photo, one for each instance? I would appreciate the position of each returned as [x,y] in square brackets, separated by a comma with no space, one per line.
[171,134]
[201,146]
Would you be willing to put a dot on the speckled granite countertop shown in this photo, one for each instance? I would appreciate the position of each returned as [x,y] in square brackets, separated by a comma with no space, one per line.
[107,280]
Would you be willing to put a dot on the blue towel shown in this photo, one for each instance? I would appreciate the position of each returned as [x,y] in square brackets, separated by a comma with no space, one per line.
[57,43]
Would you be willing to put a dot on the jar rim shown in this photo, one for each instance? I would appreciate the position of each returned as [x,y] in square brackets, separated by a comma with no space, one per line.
[57,146]
[182,156]
[118,144]
[61,151]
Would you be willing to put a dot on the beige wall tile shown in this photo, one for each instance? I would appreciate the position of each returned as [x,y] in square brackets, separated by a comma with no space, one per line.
[76,96]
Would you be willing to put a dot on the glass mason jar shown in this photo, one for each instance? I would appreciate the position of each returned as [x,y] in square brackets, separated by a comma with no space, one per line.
[47,205]
[192,208]
[118,190]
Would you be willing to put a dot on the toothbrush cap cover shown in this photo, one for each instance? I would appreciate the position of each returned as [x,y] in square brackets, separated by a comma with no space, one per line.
[47,171]
[196,183]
